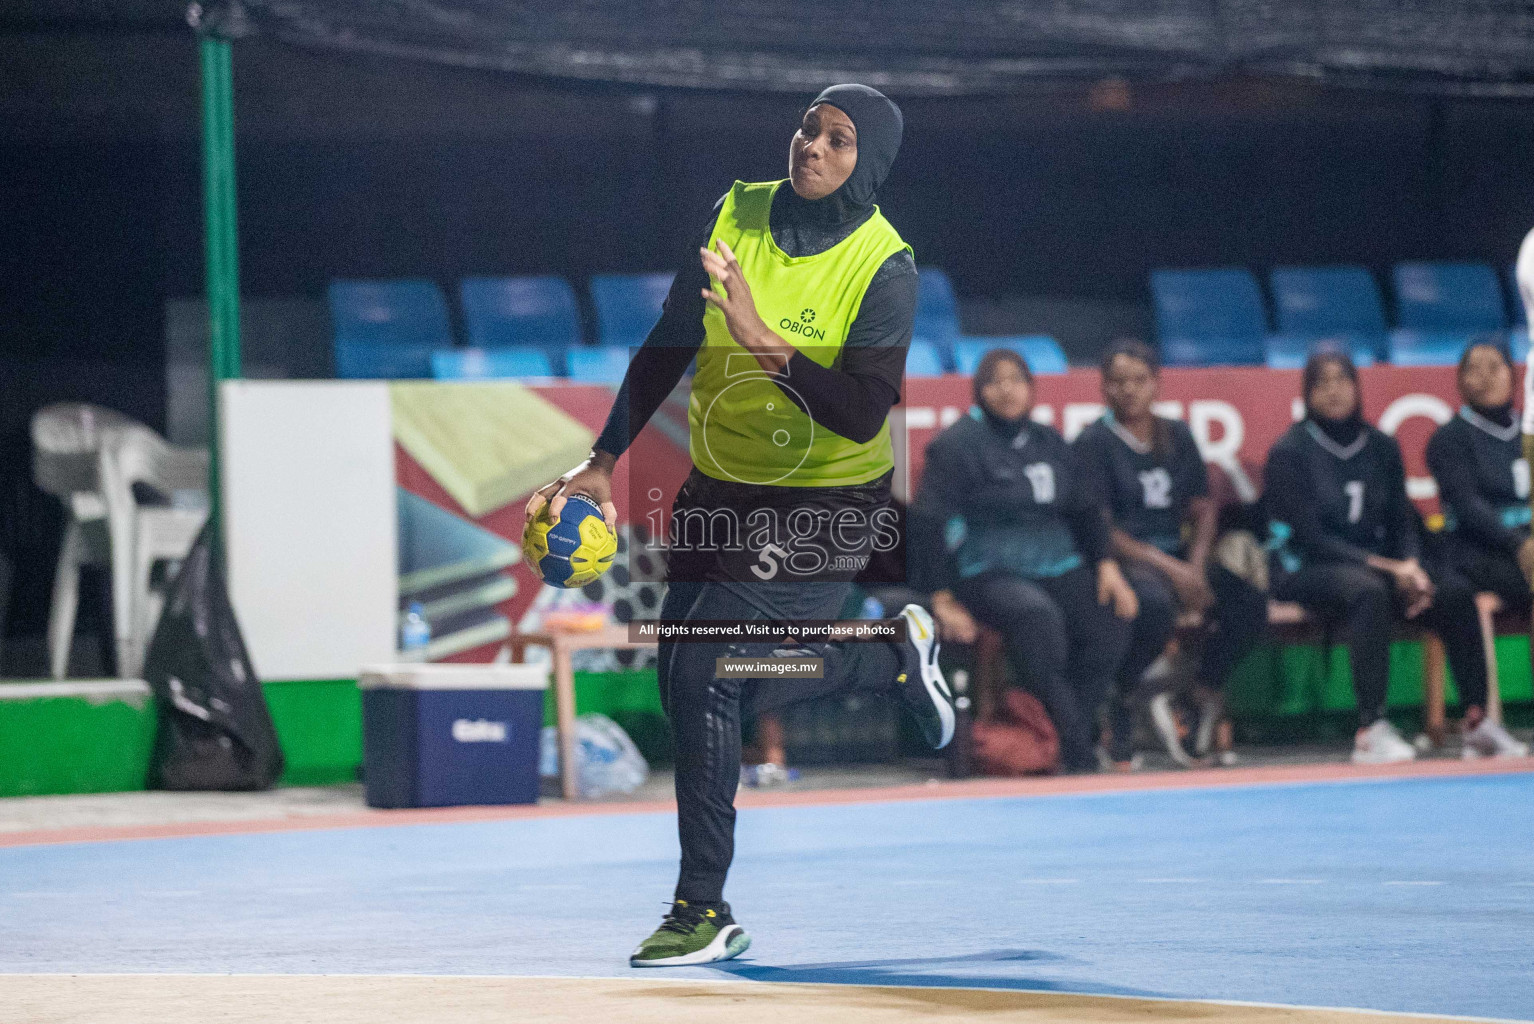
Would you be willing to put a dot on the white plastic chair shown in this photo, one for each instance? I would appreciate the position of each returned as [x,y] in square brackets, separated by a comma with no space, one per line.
[66,446]
[91,457]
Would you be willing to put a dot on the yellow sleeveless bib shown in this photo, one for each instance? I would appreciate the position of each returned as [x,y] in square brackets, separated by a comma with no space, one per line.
[741,425]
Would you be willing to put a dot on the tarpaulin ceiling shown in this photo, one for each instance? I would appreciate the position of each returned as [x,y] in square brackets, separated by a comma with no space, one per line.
[931,47]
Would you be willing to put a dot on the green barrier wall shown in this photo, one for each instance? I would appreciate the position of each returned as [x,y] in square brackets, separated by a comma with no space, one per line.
[319,724]
[74,745]
[79,745]
[1281,692]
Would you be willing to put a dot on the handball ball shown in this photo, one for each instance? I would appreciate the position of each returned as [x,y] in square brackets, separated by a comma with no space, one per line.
[574,551]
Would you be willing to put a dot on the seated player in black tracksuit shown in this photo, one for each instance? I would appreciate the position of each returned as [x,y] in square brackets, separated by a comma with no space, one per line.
[1029,549]
[1154,484]
[1347,543]
[1483,485]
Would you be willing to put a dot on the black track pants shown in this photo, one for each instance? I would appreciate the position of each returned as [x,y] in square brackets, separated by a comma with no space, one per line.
[1361,604]
[1472,567]
[1485,569]
[705,712]
[1064,646]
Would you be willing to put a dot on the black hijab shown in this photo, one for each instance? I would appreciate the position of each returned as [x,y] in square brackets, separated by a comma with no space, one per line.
[983,374]
[1501,415]
[1346,430]
[880,126]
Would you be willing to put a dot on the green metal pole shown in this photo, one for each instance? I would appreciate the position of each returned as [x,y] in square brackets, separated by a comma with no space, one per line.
[222,255]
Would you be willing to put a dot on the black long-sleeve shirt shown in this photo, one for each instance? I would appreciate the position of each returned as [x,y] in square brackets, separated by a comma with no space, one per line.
[1010,500]
[1483,482]
[1339,503]
[851,398]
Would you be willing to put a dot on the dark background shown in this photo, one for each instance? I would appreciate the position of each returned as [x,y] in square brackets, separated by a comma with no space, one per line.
[355,164]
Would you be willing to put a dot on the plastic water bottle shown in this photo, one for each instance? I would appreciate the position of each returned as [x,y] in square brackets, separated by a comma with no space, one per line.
[608,761]
[415,633]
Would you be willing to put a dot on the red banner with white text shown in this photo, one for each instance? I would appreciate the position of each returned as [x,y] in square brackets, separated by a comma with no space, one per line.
[1235,413]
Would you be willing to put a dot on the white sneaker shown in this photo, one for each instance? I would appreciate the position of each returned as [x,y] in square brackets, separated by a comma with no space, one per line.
[767,775]
[1489,739]
[1381,744]
[1159,671]
[1106,763]
[920,684]
[1165,721]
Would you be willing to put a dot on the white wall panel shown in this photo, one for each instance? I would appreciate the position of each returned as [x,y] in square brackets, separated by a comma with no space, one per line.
[310,524]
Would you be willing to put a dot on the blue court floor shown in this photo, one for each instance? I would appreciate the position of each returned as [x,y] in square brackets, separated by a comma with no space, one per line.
[1408,895]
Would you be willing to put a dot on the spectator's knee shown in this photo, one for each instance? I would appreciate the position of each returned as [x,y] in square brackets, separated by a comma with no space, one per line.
[1454,596]
[1037,628]
[1369,598]
[1032,612]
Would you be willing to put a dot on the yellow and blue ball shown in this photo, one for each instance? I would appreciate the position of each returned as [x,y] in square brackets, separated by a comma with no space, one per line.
[575,550]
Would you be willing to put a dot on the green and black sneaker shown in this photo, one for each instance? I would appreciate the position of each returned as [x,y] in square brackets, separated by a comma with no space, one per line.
[701,934]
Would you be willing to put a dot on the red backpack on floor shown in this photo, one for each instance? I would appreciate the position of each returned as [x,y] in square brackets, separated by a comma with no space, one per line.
[1021,741]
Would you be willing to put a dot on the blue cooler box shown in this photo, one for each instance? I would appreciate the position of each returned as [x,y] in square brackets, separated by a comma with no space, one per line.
[440,735]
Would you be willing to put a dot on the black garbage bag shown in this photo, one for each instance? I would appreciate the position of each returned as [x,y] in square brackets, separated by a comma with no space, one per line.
[215,731]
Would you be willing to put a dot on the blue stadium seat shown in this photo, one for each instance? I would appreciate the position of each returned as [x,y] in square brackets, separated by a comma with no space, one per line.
[490,363]
[1448,297]
[1289,351]
[937,309]
[367,360]
[387,329]
[923,359]
[1518,345]
[1428,348]
[627,306]
[504,311]
[1335,303]
[1208,317]
[1042,352]
[605,364]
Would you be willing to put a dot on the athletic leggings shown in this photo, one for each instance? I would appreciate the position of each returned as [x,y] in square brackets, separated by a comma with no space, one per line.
[1363,605]
[705,712]
[1232,627]
[1482,568]
[1064,646]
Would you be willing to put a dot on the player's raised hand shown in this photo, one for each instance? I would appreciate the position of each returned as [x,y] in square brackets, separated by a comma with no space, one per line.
[731,295]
